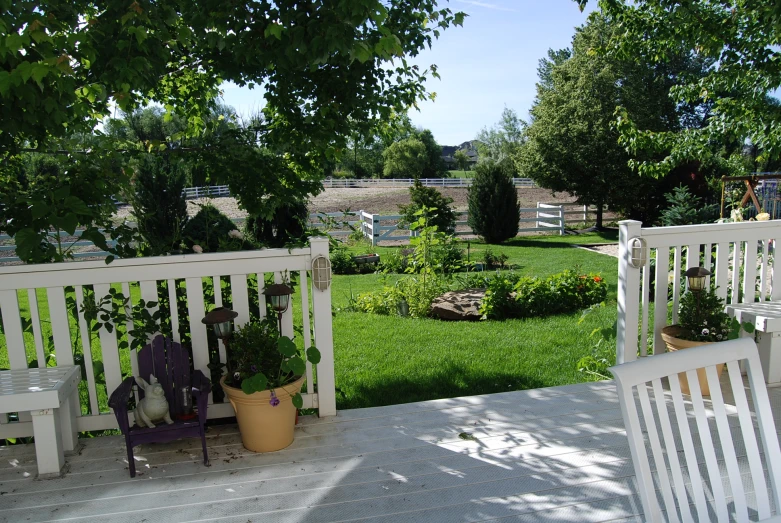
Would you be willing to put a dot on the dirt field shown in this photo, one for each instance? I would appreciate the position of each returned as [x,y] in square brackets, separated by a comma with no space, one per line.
[374,200]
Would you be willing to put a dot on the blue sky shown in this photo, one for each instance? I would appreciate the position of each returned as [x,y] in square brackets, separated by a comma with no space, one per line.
[489,63]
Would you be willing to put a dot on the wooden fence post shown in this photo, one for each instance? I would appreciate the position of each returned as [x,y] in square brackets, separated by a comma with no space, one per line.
[628,294]
[324,338]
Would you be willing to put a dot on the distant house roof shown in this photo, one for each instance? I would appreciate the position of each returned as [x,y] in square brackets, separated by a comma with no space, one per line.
[470,148]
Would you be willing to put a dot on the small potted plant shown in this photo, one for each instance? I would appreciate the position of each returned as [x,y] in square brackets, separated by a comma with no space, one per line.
[701,320]
[263,383]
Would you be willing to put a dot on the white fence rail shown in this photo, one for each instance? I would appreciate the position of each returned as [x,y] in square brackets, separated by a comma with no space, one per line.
[386,227]
[37,307]
[204,192]
[577,213]
[740,256]
[345,183]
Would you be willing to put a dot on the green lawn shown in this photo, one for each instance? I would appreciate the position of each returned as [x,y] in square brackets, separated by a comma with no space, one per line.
[383,360]
[461,174]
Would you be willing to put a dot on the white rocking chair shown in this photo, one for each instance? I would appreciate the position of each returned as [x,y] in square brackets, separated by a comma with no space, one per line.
[668,424]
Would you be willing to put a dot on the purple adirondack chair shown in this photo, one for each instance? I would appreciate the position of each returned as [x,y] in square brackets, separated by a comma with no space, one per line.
[170,364]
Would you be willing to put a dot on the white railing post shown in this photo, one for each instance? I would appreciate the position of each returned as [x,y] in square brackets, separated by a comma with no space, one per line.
[628,294]
[375,229]
[324,338]
[537,223]
[585,214]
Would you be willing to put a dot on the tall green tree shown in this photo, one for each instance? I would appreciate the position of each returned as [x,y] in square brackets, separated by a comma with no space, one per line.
[435,164]
[493,202]
[739,39]
[502,141]
[405,159]
[572,144]
[462,159]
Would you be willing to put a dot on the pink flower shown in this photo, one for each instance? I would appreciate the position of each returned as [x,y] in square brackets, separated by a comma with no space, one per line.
[236,234]
[197,249]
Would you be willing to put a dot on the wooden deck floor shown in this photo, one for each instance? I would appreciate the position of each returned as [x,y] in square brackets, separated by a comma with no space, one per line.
[542,455]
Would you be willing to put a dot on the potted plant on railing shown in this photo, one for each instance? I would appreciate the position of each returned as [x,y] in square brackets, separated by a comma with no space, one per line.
[701,320]
[263,383]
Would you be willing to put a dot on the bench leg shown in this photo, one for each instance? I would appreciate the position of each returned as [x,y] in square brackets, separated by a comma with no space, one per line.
[67,413]
[48,444]
[769,345]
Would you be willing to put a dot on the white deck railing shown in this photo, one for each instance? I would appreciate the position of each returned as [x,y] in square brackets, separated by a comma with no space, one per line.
[740,256]
[34,305]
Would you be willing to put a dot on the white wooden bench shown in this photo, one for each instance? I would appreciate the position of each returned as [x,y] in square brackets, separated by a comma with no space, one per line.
[766,318]
[51,396]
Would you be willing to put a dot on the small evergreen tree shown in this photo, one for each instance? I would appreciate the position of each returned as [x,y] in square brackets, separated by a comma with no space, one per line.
[493,203]
[428,197]
[159,206]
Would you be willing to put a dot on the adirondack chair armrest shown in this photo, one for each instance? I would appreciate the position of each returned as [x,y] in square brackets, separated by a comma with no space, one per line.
[118,402]
[204,386]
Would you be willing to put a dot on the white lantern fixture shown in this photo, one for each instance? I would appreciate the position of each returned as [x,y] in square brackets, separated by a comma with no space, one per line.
[637,252]
[321,273]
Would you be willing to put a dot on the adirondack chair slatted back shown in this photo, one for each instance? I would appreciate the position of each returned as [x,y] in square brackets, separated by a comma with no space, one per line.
[43,323]
[169,362]
[740,256]
[684,437]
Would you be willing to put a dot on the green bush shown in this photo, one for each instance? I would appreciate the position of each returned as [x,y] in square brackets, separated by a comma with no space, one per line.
[207,228]
[510,296]
[159,206]
[443,216]
[287,225]
[416,291]
[493,203]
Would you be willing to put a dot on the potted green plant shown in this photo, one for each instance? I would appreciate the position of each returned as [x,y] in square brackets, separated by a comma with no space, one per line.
[263,383]
[701,320]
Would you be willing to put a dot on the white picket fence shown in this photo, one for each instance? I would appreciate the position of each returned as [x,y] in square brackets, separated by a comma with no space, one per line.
[204,192]
[747,245]
[35,296]
[385,227]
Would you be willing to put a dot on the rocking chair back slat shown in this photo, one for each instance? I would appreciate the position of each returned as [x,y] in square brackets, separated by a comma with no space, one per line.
[12,322]
[722,445]
[672,450]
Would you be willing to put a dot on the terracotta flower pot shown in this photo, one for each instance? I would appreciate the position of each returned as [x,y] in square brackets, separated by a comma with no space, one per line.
[670,336]
[264,428]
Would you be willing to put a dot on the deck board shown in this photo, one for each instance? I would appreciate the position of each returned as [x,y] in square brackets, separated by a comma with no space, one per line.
[556,454]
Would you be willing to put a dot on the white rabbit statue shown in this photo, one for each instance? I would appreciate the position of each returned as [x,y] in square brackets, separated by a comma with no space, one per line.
[154,406]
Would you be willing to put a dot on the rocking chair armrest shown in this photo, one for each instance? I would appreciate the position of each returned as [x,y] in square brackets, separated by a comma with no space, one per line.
[118,402]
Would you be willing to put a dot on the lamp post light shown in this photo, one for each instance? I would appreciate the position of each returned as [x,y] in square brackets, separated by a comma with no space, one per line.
[221,321]
[279,296]
[696,277]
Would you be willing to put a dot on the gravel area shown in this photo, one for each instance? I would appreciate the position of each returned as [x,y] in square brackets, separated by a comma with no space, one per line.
[611,249]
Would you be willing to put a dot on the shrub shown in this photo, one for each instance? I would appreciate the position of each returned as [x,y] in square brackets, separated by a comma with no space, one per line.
[287,225]
[342,262]
[442,215]
[494,261]
[509,296]
[415,291]
[493,203]
[207,228]
[687,209]
[159,205]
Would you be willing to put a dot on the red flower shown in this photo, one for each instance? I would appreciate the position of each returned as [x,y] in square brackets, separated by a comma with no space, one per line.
[597,279]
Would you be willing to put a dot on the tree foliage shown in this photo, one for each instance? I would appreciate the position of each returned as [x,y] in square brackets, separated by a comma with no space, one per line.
[493,202]
[321,65]
[435,164]
[740,42]
[405,159]
[572,144]
[462,159]
[502,141]
[159,206]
